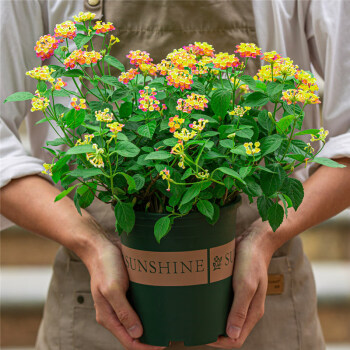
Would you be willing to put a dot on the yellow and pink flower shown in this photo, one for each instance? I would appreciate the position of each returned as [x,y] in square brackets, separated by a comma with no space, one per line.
[180,79]
[39,103]
[223,60]
[46,46]
[42,73]
[104,116]
[200,126]
[84,16]
[200,49]
[125,77]
[82,57]
[102,27]
[66,29]
[248,50]
[139,57]
[148,101]
[59,84]
[175,123]
[95,158]
[193,101]
[76,106]
[271,57]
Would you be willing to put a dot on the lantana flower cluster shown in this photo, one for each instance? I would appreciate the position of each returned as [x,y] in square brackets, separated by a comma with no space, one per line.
[184,134]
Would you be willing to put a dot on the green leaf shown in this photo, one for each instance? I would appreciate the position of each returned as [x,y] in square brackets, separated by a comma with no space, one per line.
[328,162]
[193,192]
[130,180]
[252,83]
[256,99]
[81,39]
[220,101]
[127,149]
[148,129]
[275,216]
[80,149]
[270,144]
[139,181]
[125,109]
[215,216]
[244,171]
[293,188]
[120,93]
[245,133]
[265,121]
[271,183]
[19,96]
[227,143]
[264,205]
[157,155]
[162,227]
[206,208]
[198,87]
[283,123]
[274,89]
[114,62]
[110,80]
[65,192]
[125,216]
[74,118]
[86,195]
[308,132]
[170,142]
[57,142]
[85,173]
[73,73]
[41,86]
[230,172]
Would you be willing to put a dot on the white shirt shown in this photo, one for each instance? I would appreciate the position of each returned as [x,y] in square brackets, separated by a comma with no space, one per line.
[312,32]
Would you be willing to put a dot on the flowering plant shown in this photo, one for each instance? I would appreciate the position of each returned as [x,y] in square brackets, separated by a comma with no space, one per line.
[189,133]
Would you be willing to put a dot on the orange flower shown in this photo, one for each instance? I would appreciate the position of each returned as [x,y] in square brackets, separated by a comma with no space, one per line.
[59,84]
[180,79]
[81,105]
[248,50]
[125,77]
[148,102]
[102,27]
[45,46]
[271,57]
[82,57]
[181,59]
[223,60]
[139,57]
[66,29]
[200,49]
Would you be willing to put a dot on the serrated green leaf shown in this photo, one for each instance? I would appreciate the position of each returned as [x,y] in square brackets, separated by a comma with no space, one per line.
[270,144]
[271,183]
[130,180]
[114,62]
[284,123]
[328,162]
[73,73]
[206,208]
[230,172]
[125,110]
[80,149]
[81,39]
[110,80]
[256,99]
[19,96]
[275,215]
[148,129]
[162,227]
[139,181]
[125,216]
[127,149]
[293,188]
[264,204]
[85,173]
[245,133]
[244,171]
[220,101]
[308,132]
[65,192]
[159,155]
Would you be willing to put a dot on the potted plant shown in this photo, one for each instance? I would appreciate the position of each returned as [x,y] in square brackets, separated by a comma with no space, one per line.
[171,146]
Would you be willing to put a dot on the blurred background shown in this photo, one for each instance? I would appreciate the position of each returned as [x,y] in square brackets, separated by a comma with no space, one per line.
[26,261]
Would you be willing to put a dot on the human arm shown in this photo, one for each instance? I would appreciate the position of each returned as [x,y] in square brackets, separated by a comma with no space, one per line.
[29,202]
[327,192]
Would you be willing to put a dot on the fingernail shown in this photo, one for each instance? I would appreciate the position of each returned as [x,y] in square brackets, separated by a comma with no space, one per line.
[233,332]
[134,331]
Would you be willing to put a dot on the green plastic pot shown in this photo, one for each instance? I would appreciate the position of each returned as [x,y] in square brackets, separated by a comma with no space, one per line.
[181,288]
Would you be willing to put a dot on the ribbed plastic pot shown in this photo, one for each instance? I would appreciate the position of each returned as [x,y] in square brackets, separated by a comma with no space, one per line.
[181,288]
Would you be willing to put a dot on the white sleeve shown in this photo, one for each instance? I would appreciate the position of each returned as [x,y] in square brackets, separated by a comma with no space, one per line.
[20,28]
[328,30]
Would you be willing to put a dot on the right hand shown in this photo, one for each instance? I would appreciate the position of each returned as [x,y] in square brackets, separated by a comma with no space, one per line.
[109,284]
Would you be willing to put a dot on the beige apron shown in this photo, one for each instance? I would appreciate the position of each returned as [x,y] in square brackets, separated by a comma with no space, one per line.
[290,321]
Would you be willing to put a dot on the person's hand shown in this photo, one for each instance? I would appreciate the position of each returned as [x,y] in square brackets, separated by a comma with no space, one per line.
[109,284]
[250,279]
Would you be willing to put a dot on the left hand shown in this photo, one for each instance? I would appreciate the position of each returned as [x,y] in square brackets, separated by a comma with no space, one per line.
[250,280]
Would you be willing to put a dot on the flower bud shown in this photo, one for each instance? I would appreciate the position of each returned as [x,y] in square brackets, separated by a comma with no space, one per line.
[231,136]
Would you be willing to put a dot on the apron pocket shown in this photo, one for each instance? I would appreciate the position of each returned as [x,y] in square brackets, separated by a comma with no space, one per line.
[87,333]
[278,328]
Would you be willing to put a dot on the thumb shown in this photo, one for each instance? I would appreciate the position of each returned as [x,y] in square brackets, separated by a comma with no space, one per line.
[126,314]
[243,296]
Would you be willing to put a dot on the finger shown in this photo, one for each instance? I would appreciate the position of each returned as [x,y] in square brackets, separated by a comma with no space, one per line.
[125,313]
[223,343]
[106,316]
[243,296]
[255,313]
